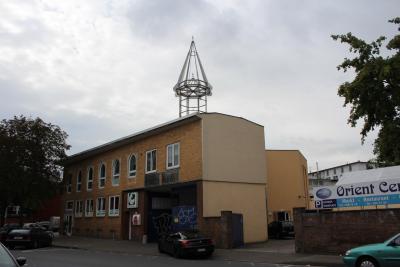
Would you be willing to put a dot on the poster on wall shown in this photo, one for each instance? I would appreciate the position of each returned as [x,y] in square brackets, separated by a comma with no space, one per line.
[382,192]
[132,199]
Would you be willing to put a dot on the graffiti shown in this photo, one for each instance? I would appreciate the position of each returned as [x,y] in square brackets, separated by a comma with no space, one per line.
[187,215]
[162,223]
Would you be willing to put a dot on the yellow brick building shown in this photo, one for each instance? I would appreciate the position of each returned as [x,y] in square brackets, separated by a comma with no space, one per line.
[185,171]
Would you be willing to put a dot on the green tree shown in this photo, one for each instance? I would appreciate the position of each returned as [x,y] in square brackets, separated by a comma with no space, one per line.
[374,94]
[30,155]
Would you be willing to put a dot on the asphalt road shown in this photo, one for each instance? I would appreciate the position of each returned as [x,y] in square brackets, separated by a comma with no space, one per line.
[61,257]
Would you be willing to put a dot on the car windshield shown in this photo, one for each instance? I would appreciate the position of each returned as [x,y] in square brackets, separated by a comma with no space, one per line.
[391,238]
[191,235]
[5,258]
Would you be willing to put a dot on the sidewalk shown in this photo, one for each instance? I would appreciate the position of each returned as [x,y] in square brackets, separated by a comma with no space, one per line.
[273,251]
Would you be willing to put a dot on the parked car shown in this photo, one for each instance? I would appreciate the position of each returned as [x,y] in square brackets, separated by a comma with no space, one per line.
[29,236]
[280,229]
[6,229]
[8,260]
[386,254]
[48,227]
[186,243]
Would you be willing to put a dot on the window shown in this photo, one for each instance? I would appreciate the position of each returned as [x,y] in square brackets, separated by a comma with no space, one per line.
[78,208]
[101,207]
[115,178]
[132,166]
[327,172]
[79,182]
[69,206]
[151,161]
[89,208]
[350,169]
[69,183]
[173,156]
[102,175]
[89,182]
[341,169]
[113,206]
[334,171]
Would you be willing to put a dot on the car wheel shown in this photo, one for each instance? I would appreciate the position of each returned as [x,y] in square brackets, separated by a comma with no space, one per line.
[367,262]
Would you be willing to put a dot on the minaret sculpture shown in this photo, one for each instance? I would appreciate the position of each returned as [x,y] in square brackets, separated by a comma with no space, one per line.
[192,87]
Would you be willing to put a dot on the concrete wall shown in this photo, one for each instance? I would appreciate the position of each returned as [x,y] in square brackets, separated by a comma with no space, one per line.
[336,232]
[247,199]
[233,149]
[287,181]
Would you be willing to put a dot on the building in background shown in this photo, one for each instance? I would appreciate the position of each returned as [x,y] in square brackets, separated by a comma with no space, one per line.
[287,183]
[330,176]
[185,173]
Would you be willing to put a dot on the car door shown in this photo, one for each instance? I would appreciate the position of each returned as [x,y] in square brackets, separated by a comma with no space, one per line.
[391,253]
[169,242]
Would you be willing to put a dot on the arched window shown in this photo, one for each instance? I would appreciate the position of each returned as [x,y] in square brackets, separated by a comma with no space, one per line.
[79,182]
[116,171]
[102,175]
[89,181]
[132,166]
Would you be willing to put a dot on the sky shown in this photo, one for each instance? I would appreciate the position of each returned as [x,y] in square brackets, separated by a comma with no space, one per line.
[102,70]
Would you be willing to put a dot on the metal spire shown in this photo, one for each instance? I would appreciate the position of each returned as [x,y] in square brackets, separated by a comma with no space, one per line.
[192,87]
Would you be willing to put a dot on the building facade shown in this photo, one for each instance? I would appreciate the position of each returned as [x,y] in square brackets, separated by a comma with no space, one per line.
[287,183]
[184,173]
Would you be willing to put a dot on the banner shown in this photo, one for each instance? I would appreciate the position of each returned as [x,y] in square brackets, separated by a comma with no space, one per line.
[360,194]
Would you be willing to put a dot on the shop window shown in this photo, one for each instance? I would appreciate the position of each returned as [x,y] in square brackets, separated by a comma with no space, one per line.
[89,181]
[173,156]
[132,166]
[102,175]
[101,207]
[89,208]
[151,161]
[113,206]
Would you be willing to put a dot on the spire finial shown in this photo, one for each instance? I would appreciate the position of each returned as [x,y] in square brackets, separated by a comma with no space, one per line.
[192,87]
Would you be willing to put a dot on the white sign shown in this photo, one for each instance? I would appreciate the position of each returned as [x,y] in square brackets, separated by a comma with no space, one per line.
[132,199]
[136,219]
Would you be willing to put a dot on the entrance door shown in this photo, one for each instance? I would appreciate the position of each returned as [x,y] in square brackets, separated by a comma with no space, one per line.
[68,224]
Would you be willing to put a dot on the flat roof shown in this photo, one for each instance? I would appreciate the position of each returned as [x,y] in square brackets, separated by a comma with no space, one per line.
[339,166]
[141,135]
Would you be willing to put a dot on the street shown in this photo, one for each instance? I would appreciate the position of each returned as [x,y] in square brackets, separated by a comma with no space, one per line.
[64,257]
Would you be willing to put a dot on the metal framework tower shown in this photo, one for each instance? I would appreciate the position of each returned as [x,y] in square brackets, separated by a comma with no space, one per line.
[192,87]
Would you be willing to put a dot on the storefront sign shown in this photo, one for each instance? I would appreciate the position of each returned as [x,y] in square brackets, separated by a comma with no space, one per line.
[132,199]
[361,194]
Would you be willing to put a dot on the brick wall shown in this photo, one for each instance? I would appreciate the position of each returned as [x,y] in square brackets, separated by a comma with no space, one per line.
[220,228]
[336,232]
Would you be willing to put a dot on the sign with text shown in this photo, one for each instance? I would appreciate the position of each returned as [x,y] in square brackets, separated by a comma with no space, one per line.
[360,194]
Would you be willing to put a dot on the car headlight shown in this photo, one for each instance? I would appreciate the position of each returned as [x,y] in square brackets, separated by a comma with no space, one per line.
[347,253]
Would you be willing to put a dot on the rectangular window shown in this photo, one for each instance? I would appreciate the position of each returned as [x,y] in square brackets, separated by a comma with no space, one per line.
[113,209]
[79,182]
[350,169]
[89,208]
[69,206]
[341,169]
[101,207]
[334,171]
[78,208]
[151,161]
[173,156]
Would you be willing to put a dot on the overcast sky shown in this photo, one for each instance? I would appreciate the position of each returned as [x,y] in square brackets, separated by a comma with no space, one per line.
[105,69]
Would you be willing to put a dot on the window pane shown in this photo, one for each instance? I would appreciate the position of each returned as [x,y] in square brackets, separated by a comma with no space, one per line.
[148,161]
[154,159]
[176,154]
[170,154]
[103,171]
[132,164]
[116,167]
[116,203]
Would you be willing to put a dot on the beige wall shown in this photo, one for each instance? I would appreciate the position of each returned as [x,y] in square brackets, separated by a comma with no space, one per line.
[287,183]
[247,199]
[233,149]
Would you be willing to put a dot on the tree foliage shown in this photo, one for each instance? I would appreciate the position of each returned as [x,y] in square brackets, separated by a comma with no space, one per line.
[374,94]
[30,155]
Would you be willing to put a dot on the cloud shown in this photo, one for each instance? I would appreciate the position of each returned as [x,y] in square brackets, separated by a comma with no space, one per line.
[105,69]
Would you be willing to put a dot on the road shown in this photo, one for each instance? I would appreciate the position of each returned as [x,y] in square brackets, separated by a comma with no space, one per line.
[62,257]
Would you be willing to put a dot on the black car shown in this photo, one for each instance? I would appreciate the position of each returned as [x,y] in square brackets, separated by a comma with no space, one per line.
[186,243]
[281,229]
[32,237]
[8,260]
[6,229]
